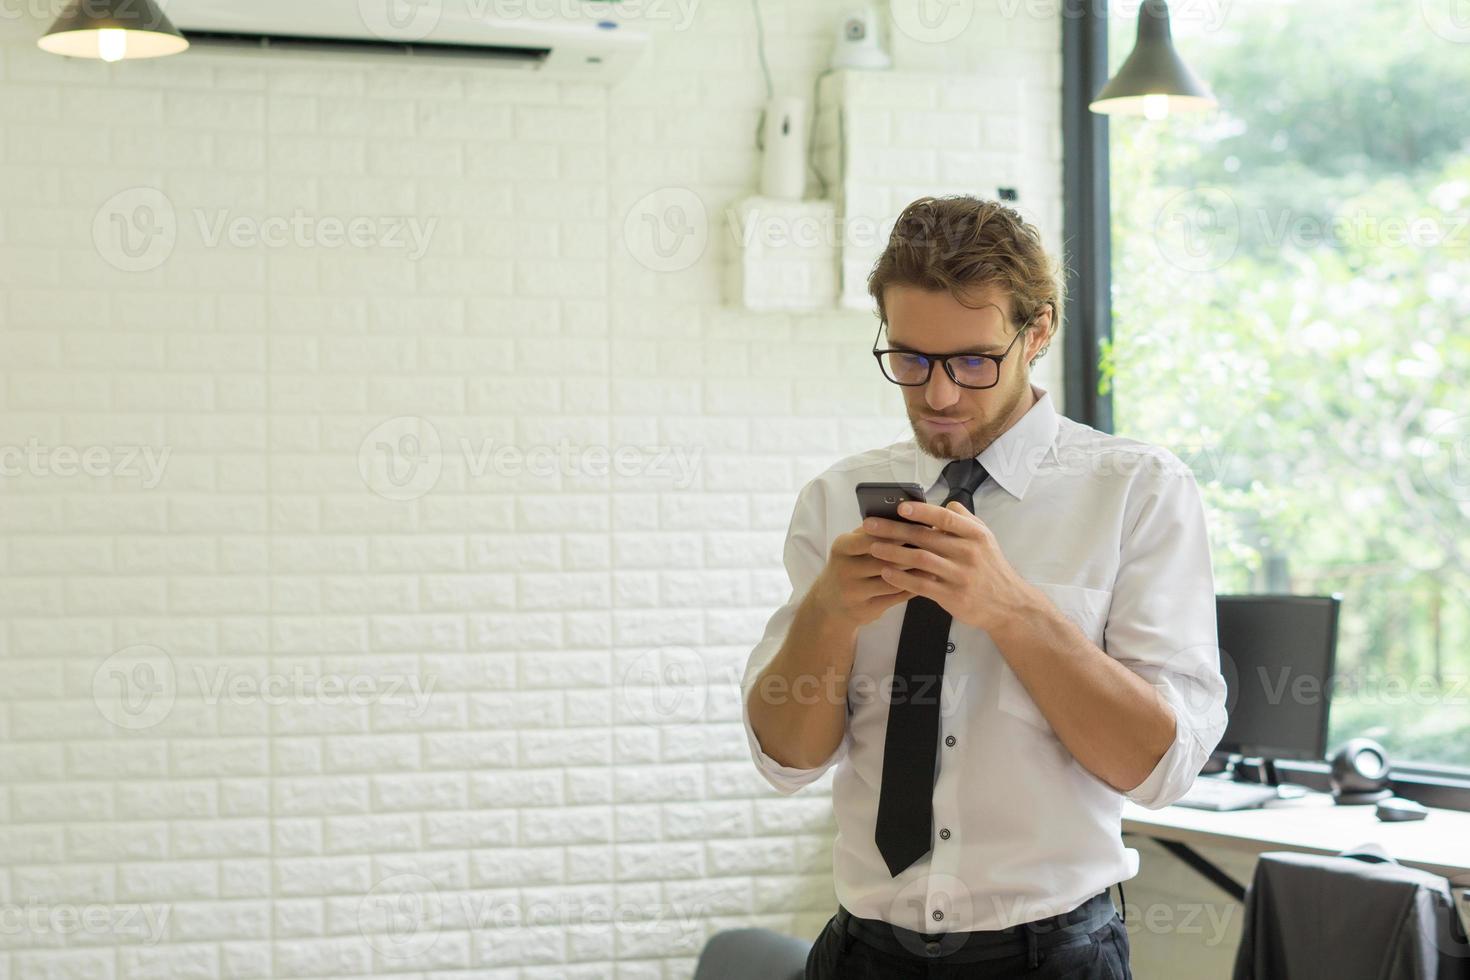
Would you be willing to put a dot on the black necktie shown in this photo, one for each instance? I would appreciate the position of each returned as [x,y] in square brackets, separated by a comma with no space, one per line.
[906,798]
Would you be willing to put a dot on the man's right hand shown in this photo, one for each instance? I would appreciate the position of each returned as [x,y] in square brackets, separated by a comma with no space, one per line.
[850,588]
[847,593]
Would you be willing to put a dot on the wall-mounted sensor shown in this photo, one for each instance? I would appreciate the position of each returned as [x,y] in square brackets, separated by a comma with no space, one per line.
[858,44]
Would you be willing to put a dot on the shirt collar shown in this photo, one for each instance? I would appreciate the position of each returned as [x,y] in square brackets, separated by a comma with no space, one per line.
[1011,460]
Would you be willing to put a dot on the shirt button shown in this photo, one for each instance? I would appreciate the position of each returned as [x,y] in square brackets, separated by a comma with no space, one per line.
[938,915]
[949,740]
[949,647]
[932,948]
[944,833]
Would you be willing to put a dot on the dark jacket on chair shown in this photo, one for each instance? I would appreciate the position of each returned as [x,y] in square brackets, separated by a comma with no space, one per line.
[1358,915]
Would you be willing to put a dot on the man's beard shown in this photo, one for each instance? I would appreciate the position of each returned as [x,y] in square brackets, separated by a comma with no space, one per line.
[972,440]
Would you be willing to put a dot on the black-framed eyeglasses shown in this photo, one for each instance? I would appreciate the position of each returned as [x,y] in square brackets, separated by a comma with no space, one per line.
[912,368]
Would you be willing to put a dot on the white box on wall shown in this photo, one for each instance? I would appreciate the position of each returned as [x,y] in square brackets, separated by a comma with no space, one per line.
[884,138]
[783,255]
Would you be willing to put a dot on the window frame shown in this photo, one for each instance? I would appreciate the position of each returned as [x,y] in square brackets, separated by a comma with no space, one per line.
[1087,244]
[1086,216]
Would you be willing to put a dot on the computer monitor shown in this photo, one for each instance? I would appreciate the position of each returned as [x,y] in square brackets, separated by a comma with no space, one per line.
[1277,653]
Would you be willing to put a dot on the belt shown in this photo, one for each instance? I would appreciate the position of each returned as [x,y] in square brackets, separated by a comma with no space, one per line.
[983,944]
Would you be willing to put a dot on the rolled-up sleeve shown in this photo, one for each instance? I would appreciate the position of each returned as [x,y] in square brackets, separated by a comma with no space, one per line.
[805,554]
[1161,623]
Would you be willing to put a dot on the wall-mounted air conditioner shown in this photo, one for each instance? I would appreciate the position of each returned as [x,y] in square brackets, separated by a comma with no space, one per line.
[557,38]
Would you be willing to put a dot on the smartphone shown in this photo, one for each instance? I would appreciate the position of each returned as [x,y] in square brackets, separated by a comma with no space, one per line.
[882,499]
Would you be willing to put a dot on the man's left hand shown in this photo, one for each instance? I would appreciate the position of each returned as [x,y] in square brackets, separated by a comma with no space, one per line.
[955,561]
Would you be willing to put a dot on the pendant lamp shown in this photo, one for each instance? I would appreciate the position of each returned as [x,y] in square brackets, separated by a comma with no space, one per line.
[112,30]
[1154,81]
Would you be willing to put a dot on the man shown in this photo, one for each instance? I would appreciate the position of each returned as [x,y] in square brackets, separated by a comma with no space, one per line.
[989,686]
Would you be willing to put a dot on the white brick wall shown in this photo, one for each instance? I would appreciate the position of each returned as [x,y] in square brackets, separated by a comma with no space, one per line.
[885,138]
[292,658]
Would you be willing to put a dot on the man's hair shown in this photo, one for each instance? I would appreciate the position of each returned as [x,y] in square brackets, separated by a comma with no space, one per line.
[962,243]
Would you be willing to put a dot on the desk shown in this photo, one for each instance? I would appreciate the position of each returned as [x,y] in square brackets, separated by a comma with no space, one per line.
[1314,824]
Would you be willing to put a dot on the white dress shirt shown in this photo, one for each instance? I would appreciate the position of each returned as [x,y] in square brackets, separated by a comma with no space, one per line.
[1112,530]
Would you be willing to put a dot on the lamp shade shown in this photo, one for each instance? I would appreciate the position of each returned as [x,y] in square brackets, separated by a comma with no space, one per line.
[112,30]
[1154,81]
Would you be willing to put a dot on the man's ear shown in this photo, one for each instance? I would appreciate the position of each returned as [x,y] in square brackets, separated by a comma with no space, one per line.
[1042,334]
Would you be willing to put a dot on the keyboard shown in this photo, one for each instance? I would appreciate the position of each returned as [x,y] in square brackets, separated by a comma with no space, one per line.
[1210,793]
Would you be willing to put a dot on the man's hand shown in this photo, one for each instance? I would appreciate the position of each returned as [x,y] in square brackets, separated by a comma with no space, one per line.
[851,588]
[955,561]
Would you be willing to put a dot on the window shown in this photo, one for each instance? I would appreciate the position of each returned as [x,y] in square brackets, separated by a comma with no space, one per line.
[1290,286]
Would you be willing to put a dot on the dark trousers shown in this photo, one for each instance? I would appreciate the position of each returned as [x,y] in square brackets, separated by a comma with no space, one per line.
[1088,943]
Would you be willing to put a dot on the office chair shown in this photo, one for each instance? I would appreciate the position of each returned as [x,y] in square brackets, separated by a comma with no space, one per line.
[752,954]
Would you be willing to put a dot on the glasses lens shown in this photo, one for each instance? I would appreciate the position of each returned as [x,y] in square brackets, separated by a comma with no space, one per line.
[905,368]
[978,372]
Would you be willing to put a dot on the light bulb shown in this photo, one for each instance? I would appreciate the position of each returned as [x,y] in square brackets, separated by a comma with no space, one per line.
[1155,107]
[112,44]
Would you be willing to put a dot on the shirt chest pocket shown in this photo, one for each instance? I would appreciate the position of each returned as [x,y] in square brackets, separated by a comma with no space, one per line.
[1088,610]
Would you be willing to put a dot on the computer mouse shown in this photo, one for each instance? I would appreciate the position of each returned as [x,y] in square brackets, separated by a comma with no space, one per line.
[1397,808]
